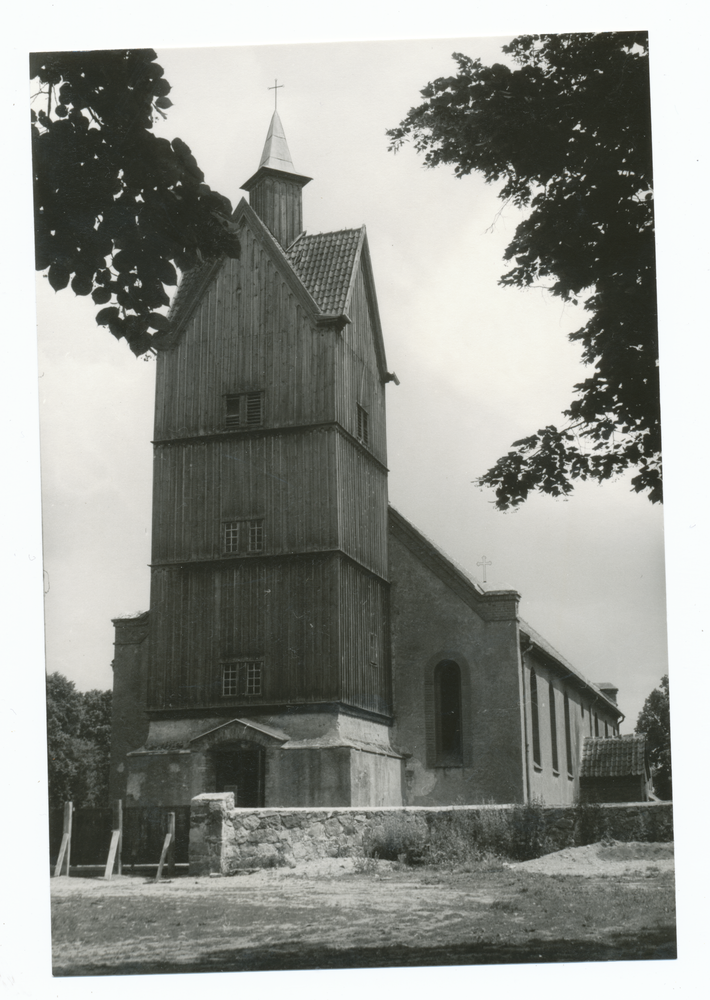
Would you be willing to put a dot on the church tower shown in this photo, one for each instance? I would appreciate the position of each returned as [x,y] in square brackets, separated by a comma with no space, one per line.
[267,658]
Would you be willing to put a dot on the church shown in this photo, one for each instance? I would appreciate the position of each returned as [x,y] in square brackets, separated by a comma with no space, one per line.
[306,645]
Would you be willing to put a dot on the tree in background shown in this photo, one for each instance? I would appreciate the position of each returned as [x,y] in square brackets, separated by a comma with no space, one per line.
[117,209]
[569,134]
[655,722]
[78,743]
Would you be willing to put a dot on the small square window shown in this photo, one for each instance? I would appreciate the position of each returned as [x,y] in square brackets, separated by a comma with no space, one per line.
[242,678]
[362,425]
[243,537]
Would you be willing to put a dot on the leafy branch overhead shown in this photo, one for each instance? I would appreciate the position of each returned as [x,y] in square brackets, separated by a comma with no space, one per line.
[568,133]
[117,209]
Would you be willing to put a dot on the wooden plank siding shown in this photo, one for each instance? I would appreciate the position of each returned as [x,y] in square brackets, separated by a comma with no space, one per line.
[312,605]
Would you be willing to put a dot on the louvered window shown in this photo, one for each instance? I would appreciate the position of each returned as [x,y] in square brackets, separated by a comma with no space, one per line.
[363,432]
[244,409]
[244,537]
[242,677]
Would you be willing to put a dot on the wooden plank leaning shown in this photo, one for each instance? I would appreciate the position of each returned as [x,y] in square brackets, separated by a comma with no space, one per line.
[169,838]
[114,851]
[65,848]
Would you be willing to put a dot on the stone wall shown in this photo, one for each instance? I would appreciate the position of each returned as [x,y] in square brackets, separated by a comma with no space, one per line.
[224,839]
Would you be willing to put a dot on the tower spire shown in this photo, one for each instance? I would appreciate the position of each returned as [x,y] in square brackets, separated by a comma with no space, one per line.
[276,190]
[276,152]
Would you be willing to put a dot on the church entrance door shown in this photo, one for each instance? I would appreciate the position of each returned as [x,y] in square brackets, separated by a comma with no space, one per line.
[239,768]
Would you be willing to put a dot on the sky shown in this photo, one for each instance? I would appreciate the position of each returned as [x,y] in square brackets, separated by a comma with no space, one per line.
[479,366]
[97,513]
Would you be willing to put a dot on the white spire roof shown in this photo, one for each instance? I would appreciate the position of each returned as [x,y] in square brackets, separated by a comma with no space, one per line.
[276,153]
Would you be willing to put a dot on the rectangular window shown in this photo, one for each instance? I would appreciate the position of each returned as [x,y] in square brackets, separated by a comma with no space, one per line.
[242,677]
[596,724]
[537,759]
[553,730]
[362,425]
[254,677]
[244,537]
[606,728]
[230,679]
[568,739]
[244,409]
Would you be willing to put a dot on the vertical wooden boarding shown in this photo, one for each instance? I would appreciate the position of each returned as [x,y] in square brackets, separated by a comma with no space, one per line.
[65,849]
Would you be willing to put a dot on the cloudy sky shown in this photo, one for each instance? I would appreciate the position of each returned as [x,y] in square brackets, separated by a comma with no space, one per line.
[479,366]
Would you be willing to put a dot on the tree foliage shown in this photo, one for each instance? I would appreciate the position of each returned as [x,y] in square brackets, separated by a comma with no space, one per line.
[78,743]
[568,133]
[655,721]
[117,209]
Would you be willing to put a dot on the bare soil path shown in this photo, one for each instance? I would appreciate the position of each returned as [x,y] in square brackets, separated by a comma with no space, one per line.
[340,913]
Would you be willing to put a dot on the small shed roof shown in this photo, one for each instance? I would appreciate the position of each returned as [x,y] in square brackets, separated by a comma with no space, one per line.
[613,756]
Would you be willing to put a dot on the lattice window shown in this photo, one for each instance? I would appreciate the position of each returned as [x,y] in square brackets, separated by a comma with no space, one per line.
[231,537]
[244,537]
[253,670]
[230,679]
[242,678]
[244,409]
[256,536]
[363,432]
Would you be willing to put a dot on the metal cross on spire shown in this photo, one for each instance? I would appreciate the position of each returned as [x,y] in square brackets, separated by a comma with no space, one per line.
[276,88]
[484,562]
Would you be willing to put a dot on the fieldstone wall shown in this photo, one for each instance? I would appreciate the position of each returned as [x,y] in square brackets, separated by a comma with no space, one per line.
[224,839]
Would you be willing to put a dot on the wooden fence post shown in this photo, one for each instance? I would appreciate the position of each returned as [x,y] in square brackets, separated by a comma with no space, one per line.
[118,825]
[114,851]
[65,849]
[171,848]
[169,837]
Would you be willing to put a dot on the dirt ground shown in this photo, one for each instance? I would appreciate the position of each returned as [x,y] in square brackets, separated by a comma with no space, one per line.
[601,902]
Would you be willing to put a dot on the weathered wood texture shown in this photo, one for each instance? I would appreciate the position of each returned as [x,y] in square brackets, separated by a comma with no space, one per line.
[278,203]
[310,621]
[312,604]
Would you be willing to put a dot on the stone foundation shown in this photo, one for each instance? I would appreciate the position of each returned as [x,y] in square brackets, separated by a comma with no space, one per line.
[224,839]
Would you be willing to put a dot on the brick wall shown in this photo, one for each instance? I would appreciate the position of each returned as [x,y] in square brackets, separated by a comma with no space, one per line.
[224,839]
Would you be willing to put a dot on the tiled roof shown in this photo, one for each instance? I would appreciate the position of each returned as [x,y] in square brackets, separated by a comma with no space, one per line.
[613,756]
[324,263]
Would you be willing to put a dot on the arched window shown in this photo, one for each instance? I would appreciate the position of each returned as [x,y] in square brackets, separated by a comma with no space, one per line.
[449,715]
[535,717]
[553,730]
